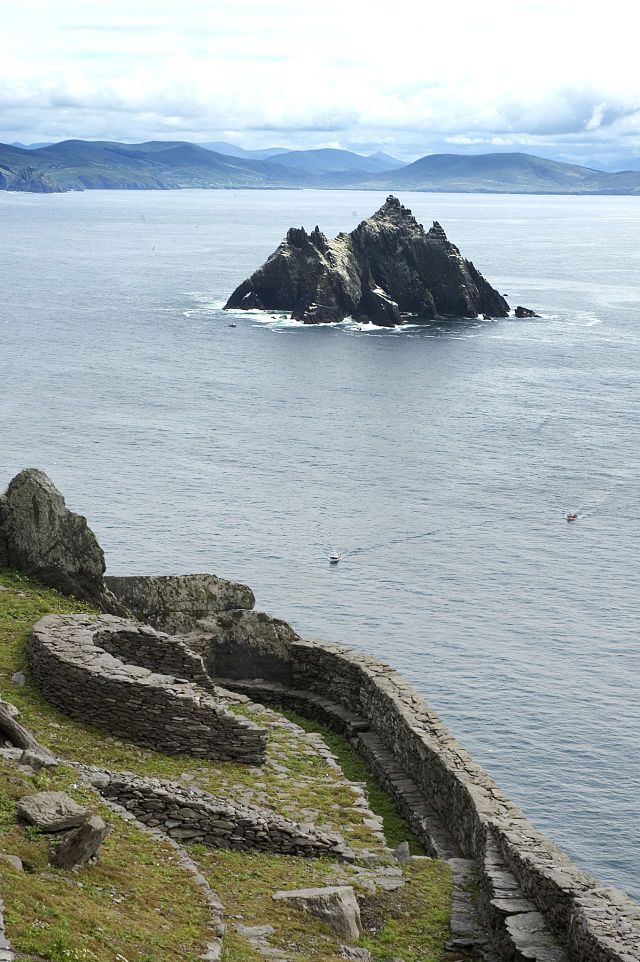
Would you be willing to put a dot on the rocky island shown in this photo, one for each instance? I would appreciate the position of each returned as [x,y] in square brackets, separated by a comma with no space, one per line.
[386,270]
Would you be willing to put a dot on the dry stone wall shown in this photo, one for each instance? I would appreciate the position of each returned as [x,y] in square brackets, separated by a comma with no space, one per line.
[143,646]
[536,902]
[191,815]
[135,702]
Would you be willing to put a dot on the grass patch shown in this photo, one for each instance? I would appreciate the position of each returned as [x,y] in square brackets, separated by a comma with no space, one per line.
[396,828]
[134,903]
[412,922]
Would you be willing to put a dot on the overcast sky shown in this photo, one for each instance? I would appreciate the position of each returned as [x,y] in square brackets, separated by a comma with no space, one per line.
[559,78]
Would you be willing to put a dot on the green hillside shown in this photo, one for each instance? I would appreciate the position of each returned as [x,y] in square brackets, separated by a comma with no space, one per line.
[503,173]
[164,165]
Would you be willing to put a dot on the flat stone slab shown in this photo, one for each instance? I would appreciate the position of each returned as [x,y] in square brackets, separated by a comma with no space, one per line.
[336,905]
[52,811]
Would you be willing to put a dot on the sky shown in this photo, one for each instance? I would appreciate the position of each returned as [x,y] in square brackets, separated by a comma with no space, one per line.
[554,78]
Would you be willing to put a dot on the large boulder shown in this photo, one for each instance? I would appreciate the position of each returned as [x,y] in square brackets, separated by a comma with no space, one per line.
[81,845]
[44,538]
[175,603]
[387,268]
[52,811]
[336,905]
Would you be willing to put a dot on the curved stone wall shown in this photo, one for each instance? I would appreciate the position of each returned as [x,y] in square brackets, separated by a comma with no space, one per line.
[72,667]
[535,902]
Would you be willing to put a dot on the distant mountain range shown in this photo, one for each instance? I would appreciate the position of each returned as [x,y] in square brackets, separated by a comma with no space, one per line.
[163,165]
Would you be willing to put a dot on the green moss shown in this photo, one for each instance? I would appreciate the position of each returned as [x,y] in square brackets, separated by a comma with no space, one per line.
[412,922]
[396,828]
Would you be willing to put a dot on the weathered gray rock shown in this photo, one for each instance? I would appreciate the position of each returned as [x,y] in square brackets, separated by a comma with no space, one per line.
[18,735]
[355,954]
[19,678]
[525,312]
[175,603]
[246,644]
[12,860]
[386,268]
[214,951]
[80,846]
[10,710]
[402,852]
[336,905]
[44,538]
[37,759]
[52,811]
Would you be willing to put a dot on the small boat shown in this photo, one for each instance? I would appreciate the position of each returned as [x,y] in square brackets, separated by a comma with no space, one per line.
[334,557]
[572,516]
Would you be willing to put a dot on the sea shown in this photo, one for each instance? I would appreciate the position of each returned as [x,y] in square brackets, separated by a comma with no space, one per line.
[440,458]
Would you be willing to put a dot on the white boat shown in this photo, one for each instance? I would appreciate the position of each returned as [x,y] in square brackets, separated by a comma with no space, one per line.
[334,557]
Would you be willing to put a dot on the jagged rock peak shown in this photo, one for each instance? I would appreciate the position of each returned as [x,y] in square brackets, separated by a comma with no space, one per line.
[386,268]
[297,237]
[394,212]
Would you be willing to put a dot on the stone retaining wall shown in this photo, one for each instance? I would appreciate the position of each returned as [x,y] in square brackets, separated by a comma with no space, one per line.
[191,815]
[527,880]
[158,711]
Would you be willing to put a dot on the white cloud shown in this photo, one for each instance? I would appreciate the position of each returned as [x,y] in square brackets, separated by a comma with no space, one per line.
[344,71]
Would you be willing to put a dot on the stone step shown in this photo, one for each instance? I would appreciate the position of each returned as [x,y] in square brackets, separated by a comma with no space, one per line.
[307,702]
[466,928]
[427,825]
[516,928]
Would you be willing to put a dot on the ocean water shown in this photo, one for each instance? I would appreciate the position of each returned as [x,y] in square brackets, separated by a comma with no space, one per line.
[440,459]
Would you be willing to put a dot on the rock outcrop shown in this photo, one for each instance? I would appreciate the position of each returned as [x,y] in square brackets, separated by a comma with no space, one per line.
[176,603]
[387,268]
[40,535]
[525,312]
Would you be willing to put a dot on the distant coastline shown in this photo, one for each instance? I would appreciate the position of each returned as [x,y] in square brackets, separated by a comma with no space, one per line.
[157,165]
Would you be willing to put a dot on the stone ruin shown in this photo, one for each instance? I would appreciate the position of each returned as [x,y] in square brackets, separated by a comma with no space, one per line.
[530,901]
[138,684]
